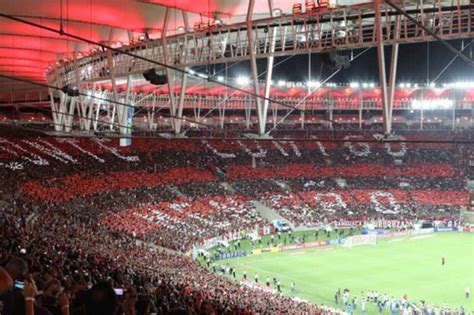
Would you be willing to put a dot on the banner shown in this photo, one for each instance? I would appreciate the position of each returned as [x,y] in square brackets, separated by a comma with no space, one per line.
[236,254]
[394,234]
[291,247]
[258,251]
[305,245]
[445,229]
[423,231]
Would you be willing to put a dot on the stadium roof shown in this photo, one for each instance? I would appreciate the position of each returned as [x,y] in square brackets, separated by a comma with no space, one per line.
[26,51]
[73,44]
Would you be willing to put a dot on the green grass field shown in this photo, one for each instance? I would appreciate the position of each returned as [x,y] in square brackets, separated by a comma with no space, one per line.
[397,266]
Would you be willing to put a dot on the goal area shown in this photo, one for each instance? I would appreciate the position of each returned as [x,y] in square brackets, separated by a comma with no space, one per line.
[467,217]
[357,240]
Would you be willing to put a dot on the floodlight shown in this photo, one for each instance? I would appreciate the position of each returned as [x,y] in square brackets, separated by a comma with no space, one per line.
[243,80]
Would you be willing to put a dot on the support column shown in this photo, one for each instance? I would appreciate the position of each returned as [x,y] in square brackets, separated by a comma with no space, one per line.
[178,121]
[222,114]
[268,76]
[88,105]
[169,74]
[381,63]
[331,109]
[248,112]
[421,119]
[179,114]
[110,65]
[454,117]
[253,65]
[126,117]
[393,72]
[69,117]
[55,112]
[62,110]
[331,114]
[302,114]
[82,106]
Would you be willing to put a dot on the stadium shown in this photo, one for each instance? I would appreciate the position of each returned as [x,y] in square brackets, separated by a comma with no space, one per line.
[236,157]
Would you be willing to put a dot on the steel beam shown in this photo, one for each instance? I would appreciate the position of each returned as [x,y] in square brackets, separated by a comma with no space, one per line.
[169,74]
[393,74]
[381,63]
[318,31]
[253,66]
[268,77]
[179,113]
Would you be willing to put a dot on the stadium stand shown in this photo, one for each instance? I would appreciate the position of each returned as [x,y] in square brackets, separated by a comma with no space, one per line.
[102,209]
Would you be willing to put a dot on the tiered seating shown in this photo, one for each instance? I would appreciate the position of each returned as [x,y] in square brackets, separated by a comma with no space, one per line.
[184,222]
[311,208]
[66,188]
[68,252]
[95,199]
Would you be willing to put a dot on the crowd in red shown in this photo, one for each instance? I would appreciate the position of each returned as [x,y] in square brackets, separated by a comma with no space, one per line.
[183,222]
[98,239]
[237,172]
[311,208]
[66,188]
[76,263]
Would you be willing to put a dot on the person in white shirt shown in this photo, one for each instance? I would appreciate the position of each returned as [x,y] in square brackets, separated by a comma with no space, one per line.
[363,307]
[345,298]
[468,292]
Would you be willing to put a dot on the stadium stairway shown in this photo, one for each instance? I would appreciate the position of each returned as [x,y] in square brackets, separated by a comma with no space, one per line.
[269,214]
[284,186]
[228,188]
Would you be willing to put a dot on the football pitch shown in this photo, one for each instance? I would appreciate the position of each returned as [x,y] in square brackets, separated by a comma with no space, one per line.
[408,265]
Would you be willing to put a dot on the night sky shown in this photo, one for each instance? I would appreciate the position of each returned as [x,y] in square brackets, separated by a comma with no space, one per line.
[413,65]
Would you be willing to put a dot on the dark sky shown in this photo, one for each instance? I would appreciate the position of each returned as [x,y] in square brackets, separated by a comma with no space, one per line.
[413,65]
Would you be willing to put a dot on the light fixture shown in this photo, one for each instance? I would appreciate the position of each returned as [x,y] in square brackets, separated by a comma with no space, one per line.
[432,104]
[354,85]
[242,81]
[313,84]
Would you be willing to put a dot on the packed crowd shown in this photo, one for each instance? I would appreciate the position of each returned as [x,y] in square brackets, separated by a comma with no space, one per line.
[332,206]
[68,264]
[183,222]
[101,209]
